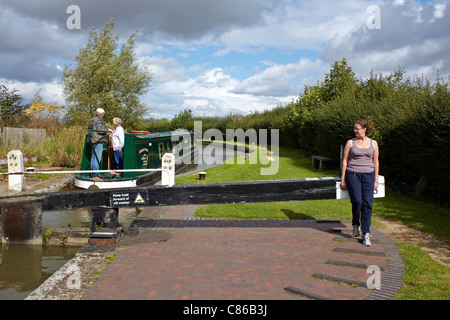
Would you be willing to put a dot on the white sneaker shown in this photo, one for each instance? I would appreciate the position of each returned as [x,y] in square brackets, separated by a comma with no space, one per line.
[356,231]
[366,240]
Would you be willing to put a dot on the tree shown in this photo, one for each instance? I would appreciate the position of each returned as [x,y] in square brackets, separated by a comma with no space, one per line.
[340,80]
[183,120]
[106,78]
[11,112]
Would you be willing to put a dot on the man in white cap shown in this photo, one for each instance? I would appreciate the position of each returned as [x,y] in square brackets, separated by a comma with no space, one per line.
[98,138]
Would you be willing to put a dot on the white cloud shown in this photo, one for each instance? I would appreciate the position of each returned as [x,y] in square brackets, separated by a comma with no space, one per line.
[208,94]
[276,81]
[399,2]
[36,44]
[299,25]
[51,91]
[411,37]
[439,10]
[163,69]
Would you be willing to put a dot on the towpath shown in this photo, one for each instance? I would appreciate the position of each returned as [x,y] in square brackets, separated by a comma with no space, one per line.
[179,257]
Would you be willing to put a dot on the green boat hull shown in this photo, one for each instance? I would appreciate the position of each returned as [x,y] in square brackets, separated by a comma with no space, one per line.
[141,151]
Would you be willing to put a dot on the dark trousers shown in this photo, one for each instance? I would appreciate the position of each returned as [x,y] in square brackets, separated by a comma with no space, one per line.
[96,157]
[360,188]
[118,159]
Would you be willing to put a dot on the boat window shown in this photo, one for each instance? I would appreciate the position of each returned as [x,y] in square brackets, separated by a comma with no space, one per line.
[161,150]
[174,147]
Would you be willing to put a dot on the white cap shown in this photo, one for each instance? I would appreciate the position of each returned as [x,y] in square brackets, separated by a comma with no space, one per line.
[100,110]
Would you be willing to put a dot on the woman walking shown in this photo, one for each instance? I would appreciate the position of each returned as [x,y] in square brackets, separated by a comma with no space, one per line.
[360,177]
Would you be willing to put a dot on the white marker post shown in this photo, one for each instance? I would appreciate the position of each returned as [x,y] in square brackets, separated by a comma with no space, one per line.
[15,164]
[168,163]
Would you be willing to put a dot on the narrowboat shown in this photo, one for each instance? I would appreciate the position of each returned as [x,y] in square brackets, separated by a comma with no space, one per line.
[142,150]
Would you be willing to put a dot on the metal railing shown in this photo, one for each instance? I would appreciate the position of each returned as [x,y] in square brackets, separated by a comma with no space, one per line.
[16,171]
[84,171]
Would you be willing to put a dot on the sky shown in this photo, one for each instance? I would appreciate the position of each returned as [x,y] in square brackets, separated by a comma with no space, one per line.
[218,57]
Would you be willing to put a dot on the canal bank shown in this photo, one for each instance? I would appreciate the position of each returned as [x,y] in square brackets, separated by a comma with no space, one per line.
[393,234]
[38,272]
[177,257]
[91,260]
[23,268]
[69,232]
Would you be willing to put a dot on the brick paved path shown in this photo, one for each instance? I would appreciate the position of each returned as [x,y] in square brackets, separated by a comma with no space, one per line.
[257,259]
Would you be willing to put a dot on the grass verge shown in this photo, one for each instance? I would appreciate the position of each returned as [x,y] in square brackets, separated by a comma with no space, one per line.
[425,279]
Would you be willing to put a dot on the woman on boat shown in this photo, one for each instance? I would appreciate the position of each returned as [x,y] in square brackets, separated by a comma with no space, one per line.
[118,138]
[360,176]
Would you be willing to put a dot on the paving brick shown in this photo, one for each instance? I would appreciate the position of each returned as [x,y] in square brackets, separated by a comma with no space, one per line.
[242,260]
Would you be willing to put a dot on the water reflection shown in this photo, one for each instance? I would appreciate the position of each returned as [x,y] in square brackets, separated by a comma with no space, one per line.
[212,155]
[82,218]
[23,268]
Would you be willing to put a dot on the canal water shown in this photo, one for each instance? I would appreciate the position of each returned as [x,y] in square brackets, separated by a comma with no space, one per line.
[23,268]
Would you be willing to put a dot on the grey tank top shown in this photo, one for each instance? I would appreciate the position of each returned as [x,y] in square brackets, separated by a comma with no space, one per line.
[361,160]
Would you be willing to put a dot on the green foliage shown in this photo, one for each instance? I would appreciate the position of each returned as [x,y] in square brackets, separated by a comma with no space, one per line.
[65,147]
[341,80]
[410,120]
[425,278]
[156,125]
[108,78]
[183,120]
[12,114]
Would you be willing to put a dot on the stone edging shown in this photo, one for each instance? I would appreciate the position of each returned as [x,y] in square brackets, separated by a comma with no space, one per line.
[392,280]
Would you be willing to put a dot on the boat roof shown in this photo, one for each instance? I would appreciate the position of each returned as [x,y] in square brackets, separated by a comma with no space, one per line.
[159,134]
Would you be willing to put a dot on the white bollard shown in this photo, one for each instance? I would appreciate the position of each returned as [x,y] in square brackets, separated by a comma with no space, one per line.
[15,164]
[168,163]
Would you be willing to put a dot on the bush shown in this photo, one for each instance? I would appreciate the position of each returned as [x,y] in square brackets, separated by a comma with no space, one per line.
[409,118]
[12,112]
[65,147]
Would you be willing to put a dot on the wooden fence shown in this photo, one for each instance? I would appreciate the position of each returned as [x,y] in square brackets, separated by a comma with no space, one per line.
[17,137]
